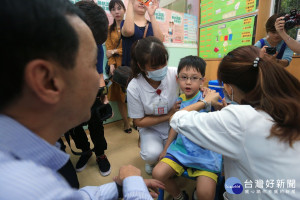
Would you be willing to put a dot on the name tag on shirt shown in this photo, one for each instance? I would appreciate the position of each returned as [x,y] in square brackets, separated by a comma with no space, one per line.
[160,108]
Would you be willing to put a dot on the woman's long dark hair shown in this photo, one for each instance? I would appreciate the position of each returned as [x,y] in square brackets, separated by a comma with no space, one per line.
[111,5]
[268,87]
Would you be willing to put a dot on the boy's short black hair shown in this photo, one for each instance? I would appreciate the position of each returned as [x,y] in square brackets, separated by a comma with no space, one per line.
[194,62]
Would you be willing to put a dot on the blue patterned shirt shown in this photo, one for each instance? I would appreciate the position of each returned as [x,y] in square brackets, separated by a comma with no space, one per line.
[29,164]
[190,154]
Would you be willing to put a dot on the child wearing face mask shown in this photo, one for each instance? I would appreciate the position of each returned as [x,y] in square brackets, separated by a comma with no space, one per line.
[151,97]
[180,153]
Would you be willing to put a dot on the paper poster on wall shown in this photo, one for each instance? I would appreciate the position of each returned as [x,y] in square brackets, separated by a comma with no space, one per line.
[179,29]
[190,29]
[171,25]
[217,40]
[212,11]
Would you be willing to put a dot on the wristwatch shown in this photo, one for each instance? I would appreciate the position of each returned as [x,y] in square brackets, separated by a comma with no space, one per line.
[207,106]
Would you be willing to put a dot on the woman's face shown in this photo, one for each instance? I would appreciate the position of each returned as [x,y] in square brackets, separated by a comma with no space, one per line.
[117,12]
[139,8]
[274,36]
[149,68]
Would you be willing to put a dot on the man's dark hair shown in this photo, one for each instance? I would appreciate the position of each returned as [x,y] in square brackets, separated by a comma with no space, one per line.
[96,19]
[31,30]
[193,62]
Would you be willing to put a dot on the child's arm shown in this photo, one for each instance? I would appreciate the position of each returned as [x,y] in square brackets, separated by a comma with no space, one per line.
[172,136]
[128,27]
[211,97]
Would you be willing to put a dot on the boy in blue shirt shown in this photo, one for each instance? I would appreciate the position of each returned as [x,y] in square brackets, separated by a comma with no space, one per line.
[180,153]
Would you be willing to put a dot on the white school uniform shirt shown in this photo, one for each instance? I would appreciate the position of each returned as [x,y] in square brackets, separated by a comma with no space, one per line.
[240,133]
[141,96]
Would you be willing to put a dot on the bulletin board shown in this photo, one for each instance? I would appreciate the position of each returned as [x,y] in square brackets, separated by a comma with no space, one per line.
[226,25]
[217,40]
[216,10]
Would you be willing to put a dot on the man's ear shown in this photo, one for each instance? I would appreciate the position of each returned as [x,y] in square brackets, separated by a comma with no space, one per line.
[41,78]
[177,79]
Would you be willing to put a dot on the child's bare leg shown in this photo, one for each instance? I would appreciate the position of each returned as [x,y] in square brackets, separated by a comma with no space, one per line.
[206,188]
[164,173]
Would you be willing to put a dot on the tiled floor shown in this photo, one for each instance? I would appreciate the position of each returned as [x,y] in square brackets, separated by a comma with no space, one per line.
[122,150]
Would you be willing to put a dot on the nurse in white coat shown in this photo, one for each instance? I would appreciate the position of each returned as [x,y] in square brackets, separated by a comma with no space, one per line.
[260,137]
[151,97]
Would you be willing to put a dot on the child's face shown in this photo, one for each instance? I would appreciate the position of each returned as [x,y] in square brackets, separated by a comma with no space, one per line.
[189,80]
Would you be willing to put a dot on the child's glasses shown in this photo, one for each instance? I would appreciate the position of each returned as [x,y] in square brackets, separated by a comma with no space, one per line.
[193,78]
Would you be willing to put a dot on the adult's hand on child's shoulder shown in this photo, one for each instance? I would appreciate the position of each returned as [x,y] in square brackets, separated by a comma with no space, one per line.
[175,108]
[213,97]
[204,90]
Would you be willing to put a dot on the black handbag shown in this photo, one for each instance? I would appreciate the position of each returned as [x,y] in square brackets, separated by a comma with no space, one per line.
[107,67]
[122,76]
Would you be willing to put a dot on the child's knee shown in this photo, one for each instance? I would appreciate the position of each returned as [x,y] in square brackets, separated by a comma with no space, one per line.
[205,194]
[162,172]
[206,189]
[156,173]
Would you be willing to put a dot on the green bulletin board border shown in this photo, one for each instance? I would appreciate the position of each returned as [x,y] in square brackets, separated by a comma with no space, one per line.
[219,44]
[254,10]
[253,13]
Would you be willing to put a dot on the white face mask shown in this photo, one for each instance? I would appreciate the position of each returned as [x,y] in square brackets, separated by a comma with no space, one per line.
[158,75]
[227,97]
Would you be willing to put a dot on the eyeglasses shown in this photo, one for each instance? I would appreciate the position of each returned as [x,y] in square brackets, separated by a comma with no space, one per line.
[193,78]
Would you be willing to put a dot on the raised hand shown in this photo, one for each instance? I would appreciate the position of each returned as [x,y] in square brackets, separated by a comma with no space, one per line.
[279,24]
[152,7]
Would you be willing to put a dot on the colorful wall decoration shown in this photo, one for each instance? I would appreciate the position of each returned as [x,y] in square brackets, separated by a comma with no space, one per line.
[217,40]
[216,10]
